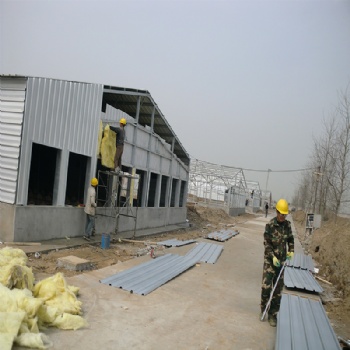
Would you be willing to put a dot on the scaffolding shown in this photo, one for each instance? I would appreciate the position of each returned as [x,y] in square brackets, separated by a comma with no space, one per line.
[210,183]
[117,194]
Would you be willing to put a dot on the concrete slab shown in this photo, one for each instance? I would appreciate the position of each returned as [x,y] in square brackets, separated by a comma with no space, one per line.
[73,263]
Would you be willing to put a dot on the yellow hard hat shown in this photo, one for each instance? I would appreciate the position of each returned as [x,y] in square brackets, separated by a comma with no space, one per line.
[122,121]
[94,182]
[282,206]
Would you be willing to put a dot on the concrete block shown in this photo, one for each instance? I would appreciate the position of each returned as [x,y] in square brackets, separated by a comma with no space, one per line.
[73,263]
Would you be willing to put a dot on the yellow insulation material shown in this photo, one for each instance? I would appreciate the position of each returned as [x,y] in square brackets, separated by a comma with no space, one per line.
[108,148]
[99,139]
[23,312]
[14,272]
[56,293]
[10,323]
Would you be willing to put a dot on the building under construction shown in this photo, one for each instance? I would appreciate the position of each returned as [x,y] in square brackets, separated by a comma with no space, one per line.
[218,186]
[48,154]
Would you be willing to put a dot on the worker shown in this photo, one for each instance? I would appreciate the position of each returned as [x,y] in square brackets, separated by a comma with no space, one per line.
[266,209]
[120,131]
[279,246]
[90,209]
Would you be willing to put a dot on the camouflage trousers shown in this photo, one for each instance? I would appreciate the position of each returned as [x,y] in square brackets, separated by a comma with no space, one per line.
[270,275]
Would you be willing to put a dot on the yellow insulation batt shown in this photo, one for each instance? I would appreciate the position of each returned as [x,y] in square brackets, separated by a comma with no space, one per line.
[108,148]
[24,312]
[14,272]
[99,139]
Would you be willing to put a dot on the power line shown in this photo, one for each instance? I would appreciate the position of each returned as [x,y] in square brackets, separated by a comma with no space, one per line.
[278,171]
[256,170]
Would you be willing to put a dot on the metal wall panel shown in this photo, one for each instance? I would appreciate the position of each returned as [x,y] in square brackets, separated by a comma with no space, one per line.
[303,324]
[206,252]
[12,97]
[301,261]
[301,279]
[59,114]
[146,142]
[143,279]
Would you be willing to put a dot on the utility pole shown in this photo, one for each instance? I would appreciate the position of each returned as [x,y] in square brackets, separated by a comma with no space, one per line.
[318,175]
[267,181]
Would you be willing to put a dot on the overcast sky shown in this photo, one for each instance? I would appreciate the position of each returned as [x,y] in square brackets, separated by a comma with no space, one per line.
[242,83]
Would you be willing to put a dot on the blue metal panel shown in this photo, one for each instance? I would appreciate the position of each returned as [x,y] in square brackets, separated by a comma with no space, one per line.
[301,261]
[206,252]
[222,235]
[301,279]
[175,242]
[303,325]
[145,278]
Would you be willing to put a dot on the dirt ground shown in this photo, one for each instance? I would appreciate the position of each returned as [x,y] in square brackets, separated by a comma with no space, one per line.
[330,249]
[202,221]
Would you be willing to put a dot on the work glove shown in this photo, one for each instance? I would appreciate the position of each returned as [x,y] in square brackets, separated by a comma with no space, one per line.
[276,262]
[290,255]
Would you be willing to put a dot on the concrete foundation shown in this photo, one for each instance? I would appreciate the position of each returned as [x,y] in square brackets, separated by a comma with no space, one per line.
[236,211]
[37,223]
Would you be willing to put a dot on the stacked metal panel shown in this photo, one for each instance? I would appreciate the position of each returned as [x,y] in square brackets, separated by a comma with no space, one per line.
[297,274]
[301,261]
[301,279]
[145,278]
[206,252]
[175,242]
[222,235]
[303,324]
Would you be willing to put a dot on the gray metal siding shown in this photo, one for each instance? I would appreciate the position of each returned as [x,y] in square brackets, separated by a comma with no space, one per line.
[301,261]
[175,242]
[301,279]
[222,235]
[12,97]
[206,252]
[60,114]
[303,324]
[145,278]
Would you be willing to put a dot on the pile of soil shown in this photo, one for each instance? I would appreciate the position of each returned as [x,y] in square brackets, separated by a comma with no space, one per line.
[329,247]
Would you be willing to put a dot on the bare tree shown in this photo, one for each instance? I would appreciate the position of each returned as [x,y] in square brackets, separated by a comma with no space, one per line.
[327,187]
[339,176]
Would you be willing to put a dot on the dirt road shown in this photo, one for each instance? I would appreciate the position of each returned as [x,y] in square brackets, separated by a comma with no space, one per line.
[210,306]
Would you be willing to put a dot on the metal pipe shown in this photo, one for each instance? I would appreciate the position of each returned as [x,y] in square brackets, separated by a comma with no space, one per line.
[271,295]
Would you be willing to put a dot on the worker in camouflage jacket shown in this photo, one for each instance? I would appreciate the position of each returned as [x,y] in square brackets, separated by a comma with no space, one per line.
[279,246]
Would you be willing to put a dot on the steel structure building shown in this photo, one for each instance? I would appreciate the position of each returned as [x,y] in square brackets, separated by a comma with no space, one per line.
[48,154]
[218,185]
[254,194]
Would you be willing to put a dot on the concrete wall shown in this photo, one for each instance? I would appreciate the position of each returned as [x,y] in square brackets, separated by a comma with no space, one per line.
[147,218]
[7,219]
[37,223]
[236,211]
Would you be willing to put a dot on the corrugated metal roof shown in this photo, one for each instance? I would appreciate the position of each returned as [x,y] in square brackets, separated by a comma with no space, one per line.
[145,278]
[301,279]
[175,242]
[222,235]
[206,252]
[303,325]
[301,261]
